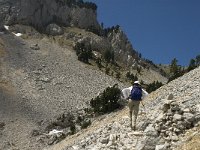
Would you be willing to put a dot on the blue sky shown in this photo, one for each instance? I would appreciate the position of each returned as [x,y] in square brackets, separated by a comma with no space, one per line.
[159,29]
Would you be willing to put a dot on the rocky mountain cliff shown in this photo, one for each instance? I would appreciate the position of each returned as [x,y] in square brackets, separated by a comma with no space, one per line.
[40,13]
[169,120]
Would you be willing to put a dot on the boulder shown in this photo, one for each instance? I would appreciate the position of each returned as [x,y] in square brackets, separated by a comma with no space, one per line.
[54,29]
[170,97]
[177,117]
[35,47]
[189,117]
[150,131]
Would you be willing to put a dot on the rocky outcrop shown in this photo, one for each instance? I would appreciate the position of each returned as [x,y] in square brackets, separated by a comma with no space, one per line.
[122,47]
[54,29]
[40,13]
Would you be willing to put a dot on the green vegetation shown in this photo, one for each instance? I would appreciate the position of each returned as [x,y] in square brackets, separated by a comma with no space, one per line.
[107,101]
[153,86]
[83,51]
[109,56]
[131,77]
[93,29]
[118,75]
[194,63]
[175,70]
[98,62]
[85,124]
[108,30]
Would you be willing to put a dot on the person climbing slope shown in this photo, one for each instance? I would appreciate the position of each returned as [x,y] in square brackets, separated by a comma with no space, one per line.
[135,94]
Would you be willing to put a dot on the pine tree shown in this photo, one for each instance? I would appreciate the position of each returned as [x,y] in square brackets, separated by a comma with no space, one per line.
[198,60]
[192,65]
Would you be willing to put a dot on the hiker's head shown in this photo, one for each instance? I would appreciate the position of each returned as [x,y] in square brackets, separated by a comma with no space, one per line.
[136,83]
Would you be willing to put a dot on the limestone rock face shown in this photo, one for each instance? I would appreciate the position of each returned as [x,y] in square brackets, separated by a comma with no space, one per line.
[97,43]
[122,47]
[40,13]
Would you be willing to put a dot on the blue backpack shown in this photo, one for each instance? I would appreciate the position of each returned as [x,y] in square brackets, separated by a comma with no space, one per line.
[136,93]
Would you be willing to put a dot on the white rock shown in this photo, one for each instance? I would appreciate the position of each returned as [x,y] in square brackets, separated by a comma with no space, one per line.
[160,147]
[177,117]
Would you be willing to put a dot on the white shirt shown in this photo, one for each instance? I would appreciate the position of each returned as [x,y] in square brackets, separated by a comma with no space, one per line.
[127,91]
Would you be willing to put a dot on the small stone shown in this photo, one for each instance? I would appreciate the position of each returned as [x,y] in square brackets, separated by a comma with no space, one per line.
[160,147]
[186,110]
[35,133]
[165,107]
[2,125]
[189,117]
[52,140]
[177,117]
[170,97]
[104,140]
[35,47]
[150,131]
[174,138]
[75,147]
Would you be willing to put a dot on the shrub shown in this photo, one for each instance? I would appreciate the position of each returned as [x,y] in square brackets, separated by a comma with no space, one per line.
[73,129]
[109,56]
[118,75]
[98,62]
[131,77]
[107,70]
[83,51]
[85,124]
[153,86]
[107,101]
[175,70]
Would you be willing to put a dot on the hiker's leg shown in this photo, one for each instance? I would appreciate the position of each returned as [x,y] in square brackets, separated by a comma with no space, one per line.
[136,110]
[130,105]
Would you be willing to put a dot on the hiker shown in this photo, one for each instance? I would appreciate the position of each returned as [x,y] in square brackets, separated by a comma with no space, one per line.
[136,96]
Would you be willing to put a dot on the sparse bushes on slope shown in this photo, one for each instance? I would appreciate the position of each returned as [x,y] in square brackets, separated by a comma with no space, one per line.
[109,56]
[107,101]
[194,63]
[131,77]
[106,31]
[153,86]
[83,51]
[175,70]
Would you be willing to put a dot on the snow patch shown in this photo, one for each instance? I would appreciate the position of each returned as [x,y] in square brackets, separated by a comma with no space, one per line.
[6,27]
[17,34]
[54,131]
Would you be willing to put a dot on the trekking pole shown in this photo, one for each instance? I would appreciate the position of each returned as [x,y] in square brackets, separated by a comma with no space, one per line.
[144,107]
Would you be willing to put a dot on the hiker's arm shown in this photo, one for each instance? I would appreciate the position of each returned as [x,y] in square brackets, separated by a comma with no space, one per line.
[126,93]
